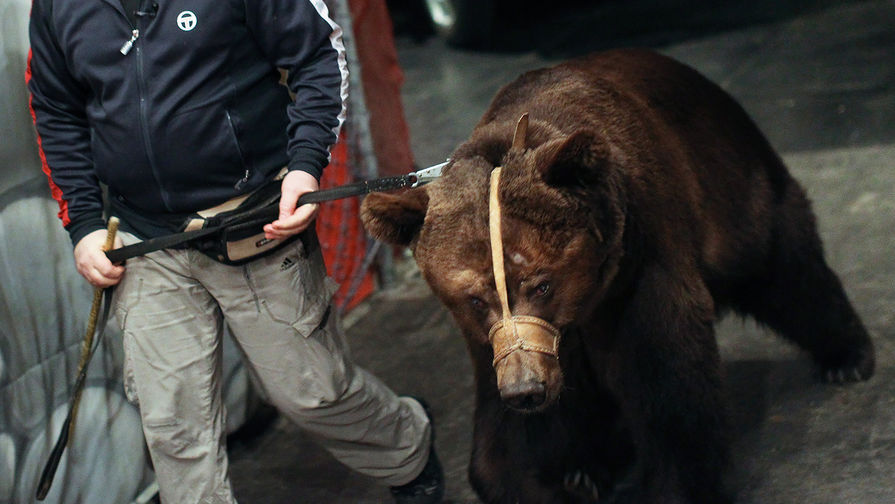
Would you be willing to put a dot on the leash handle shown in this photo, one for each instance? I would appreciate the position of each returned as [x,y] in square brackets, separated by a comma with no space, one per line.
[68,427]
[265,213]
[355,189]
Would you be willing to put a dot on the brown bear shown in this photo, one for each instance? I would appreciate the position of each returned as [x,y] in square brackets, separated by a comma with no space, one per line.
[639,203]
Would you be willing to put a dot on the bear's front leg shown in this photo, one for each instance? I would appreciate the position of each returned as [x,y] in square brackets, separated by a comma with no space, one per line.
[504,467]
[667,373]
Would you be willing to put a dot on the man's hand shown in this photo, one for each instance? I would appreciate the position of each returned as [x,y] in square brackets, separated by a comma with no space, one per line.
[293,220]
[92,262]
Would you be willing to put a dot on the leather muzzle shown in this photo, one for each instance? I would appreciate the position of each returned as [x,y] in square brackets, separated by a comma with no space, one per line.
[520,332]
[513,332]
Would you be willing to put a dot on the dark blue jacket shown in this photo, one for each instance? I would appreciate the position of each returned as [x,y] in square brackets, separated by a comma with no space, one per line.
[182,109]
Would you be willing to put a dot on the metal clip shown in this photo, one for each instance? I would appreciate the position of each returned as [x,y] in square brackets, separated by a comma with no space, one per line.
[427,175]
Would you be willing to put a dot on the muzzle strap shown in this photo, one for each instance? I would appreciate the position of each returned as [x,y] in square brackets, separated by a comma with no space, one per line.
[518,332]
[500,278]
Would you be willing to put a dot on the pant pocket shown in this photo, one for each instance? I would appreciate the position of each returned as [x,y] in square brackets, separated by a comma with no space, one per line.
[329,368]
[317,314]
[292,286]
[130,386]
[170,436]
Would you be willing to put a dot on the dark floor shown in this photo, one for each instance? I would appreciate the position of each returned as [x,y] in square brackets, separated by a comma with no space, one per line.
[819,79]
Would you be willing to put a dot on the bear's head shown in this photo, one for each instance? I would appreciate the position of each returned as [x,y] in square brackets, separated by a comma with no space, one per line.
[562,212]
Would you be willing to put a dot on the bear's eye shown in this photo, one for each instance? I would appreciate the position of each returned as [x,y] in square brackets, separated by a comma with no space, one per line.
[542,289]
[476,303]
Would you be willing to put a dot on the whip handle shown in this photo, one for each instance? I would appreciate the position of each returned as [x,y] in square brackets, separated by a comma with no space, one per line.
[87,343]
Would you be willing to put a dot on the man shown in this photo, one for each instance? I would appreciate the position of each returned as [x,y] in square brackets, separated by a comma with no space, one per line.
[175,106]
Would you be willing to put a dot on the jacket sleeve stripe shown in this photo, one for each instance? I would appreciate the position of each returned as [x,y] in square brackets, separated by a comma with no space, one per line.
[335,40]
[45,166]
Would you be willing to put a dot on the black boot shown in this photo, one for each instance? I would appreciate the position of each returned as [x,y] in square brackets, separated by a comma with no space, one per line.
[428,486]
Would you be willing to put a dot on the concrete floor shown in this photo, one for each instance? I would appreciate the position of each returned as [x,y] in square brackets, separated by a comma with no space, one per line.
[819,79]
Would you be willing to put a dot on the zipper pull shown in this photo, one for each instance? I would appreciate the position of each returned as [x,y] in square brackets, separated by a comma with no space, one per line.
[242,182]
[126,48]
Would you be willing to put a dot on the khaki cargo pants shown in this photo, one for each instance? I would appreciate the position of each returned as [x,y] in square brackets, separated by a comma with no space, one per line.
[172,306]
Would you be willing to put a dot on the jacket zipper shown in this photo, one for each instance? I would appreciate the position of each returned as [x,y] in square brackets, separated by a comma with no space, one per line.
[245,178]
[144,122]
[144,118]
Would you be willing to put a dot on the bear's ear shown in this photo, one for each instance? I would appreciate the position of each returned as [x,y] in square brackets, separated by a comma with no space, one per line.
[575,161]
[395,218]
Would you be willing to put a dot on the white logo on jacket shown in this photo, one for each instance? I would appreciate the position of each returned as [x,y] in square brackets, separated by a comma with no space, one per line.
[186,20]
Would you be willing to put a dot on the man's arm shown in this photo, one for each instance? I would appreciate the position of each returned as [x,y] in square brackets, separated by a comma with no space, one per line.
[293,220]
[300,37]
[63,138]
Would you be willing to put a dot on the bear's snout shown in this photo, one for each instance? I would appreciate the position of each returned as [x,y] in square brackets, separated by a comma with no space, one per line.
[528,382]
[526,362]
[524,396]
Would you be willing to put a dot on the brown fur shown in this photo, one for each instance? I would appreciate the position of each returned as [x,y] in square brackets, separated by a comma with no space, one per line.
[649,202]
